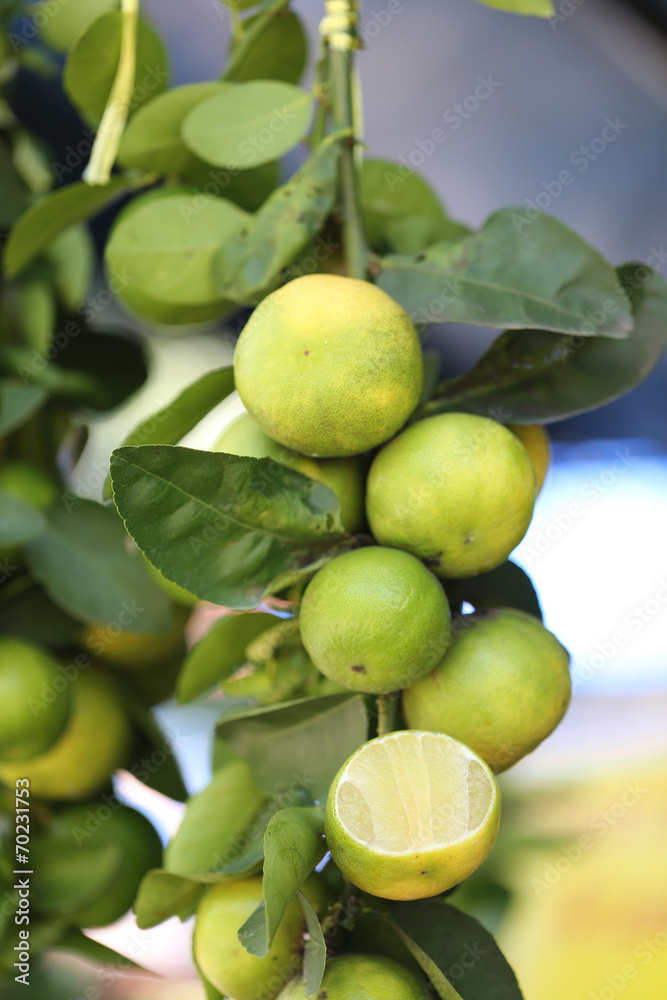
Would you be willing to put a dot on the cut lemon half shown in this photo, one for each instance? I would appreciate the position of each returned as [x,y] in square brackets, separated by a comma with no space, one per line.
[412,814]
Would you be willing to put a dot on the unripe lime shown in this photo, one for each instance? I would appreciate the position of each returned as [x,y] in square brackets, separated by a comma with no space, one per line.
[343,476]
[221,956]
[502,687]
[96,740]
[329,366]
[360,977]
[535,439]
[139,849]
[456,490]
[34,700]
[375,620]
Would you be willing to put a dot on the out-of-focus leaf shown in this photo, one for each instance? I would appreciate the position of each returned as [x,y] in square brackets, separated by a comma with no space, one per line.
[508,586]
[163,894]
[539,8]
[19,521]
[219,653]
[18,402]
[280,52]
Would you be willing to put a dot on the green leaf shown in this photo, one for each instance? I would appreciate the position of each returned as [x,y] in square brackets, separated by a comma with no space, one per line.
[92,62]
[219,653]
[76,941]
[315,951]
[505,587]
[54,213]
[164,245]
[539,8]
[72,258]
[253,264]
[18,402]
[155,754]
[83,561]
[514,273]
[163,894]
[280,52]
[31,615]
[293,844]
[213,831]
[19,522]
[226,528]
[36,312]
[72,875]
[533,377]
[402,213]
[248,123]
[70,20]
[454,950]
[301,744]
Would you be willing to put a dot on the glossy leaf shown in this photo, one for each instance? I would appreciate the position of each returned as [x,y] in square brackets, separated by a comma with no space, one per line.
[402,213]
[253,264]
[92,62]
[165,246]
[248,123]
[219,653]
[278,53]
[226,528]
[83,561]
[458,955]
[508,586]
[54,213]
[299,744]
[514,274]
[315,951]
[539,8]
[212,832]
[19,522]
[163,894]
[533,377]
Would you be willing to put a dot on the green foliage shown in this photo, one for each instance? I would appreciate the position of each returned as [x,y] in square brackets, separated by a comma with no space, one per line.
[540,8]
[508,586]
[315,951]
[18,402]
[279,52]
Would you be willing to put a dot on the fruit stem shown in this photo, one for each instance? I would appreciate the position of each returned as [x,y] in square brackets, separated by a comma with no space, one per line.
[110,131]
[338,28]
[387,706]
[247,39]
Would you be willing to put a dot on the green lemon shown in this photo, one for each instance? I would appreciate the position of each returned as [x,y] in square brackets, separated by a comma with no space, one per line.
[535,439]
[96,740]
[411,814]
[502,687]
[456,490]
[329,366]
[375,620]
[360,977]
[34,700]
[343,476]
[221,956]
[129,650]
[102,822]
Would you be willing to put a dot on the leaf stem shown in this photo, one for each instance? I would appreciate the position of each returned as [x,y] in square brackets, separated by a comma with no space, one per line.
[339,30]
[110,131]
[269,10]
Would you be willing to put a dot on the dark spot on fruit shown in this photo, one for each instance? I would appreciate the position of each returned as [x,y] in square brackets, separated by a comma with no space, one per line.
[423,873]
[306,353]
[358,669]
[322,995]
[467,541]
[432,560]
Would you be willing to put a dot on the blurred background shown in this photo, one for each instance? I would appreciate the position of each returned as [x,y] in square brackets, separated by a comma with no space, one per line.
[577,887]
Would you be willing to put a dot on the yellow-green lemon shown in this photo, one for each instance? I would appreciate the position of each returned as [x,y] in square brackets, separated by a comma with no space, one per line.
[329,366]
[96,740]
[34,700]
[130,650]
[375,620]
[344,476]
[411,814]
[535,439]
[502,687]
[456,490]
[360,977]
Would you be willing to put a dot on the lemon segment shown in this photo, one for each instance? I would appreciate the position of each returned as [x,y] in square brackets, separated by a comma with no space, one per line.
[412,814]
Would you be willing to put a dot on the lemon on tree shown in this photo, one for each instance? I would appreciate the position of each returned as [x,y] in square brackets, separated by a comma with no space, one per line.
[344,476]
[535,439]
[501,688]
[137,845]
[221,956]
[95,741]
[411,814]
[129,650]
[456,490]
[329,366]
[34,700]
[360,977]
[374,619]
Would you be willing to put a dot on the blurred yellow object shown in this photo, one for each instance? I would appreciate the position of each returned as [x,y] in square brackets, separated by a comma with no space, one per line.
[590,921]
[129,650]
[535,439]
